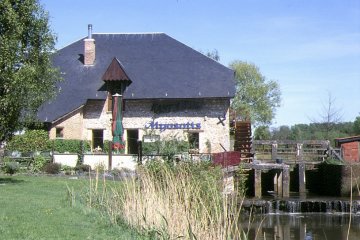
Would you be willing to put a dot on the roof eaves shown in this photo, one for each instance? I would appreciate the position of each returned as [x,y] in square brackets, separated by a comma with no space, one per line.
[67,114]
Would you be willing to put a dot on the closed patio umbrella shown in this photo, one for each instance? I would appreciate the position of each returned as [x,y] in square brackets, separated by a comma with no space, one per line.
[117,126]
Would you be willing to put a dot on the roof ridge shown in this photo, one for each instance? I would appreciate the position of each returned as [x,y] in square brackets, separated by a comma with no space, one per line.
[128,33]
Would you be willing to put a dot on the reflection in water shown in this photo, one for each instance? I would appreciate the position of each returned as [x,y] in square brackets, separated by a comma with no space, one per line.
[303,226]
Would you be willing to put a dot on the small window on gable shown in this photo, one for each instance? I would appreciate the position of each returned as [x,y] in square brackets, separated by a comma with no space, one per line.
[60,132]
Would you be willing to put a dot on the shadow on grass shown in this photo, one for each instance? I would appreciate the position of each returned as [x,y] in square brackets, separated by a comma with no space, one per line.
[9,180]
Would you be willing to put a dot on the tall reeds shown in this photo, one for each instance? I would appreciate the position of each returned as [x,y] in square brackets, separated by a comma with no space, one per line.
[184,201]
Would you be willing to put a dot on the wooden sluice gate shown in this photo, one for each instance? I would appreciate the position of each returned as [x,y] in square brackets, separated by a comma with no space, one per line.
[281,179]
[271,162]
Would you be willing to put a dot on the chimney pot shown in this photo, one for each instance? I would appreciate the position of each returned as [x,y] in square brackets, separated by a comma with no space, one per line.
[90,31]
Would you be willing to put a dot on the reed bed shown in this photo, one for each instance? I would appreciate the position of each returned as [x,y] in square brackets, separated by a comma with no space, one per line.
[168,202]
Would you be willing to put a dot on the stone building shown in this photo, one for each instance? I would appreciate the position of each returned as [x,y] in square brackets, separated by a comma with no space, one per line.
[175,91]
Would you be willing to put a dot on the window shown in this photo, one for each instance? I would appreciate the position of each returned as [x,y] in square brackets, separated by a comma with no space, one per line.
[193,140]
[132,141]
[98,139]
[60,132]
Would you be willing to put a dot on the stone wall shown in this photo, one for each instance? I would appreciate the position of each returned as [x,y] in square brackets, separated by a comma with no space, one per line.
[118,161]
[138,114]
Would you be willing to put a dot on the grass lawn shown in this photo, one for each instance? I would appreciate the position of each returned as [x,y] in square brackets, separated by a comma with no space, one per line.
[37,207]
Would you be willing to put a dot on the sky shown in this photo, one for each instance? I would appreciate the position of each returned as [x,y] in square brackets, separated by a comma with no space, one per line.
[311,48]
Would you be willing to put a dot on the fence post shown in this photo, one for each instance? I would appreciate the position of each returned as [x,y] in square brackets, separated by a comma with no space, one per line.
[274,151]
[110,156]
[301,164]
[285,182]
[257,184]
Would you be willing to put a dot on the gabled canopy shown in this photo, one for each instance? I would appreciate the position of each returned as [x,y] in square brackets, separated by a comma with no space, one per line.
[115,78]
[116,72]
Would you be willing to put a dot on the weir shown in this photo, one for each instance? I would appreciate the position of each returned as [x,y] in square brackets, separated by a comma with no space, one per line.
[280,166]
[278,206]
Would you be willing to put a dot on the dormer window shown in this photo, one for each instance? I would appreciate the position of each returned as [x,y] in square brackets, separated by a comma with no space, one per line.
[59,132]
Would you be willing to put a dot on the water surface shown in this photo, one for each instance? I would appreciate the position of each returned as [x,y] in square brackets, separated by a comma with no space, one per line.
[308,226]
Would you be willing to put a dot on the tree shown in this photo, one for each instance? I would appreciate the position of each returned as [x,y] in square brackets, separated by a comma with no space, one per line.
[329,116]
[262,133]
[357,125]
[27,77]
[282,133]
[214,54]
[256,99]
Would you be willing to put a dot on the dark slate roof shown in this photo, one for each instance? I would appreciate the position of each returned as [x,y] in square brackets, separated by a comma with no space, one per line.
[159,67]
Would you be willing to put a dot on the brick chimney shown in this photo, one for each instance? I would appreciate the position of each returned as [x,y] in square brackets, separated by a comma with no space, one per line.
[89,51]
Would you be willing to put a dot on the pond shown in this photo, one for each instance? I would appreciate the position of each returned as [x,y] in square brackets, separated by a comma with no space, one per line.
[303,226]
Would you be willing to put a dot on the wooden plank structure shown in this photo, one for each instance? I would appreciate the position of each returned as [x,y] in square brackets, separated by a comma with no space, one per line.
[281,181]
[272,156]
[243,140]
[291,151]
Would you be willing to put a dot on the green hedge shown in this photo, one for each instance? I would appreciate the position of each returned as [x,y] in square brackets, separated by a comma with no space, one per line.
[30,141]
[38,141]
[70,146]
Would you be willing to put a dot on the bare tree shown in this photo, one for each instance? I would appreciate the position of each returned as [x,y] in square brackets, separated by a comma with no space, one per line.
[329,115]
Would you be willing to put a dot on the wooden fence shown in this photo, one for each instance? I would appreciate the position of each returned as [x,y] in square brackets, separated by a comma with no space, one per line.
[291,152]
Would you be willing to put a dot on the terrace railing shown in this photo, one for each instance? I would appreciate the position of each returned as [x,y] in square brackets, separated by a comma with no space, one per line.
[291,152]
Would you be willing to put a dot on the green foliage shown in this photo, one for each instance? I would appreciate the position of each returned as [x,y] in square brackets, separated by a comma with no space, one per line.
[255,99]
[356,128]
[30,141]
[214,54]
[262,133]
[10,167]
[82,168]
[67,169]
[167,147]
[312,131]
[39,163]
[241,182]
[282,133]
[332,161]
[27,77]
[151,148]
[70,146]
[52,168]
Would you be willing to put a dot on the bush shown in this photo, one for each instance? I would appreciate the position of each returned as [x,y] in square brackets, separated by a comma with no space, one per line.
[83,168]
[167,147]
[67,169]
[30,141]
[52,168]
[10,167]
[39,163]
[70,145]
